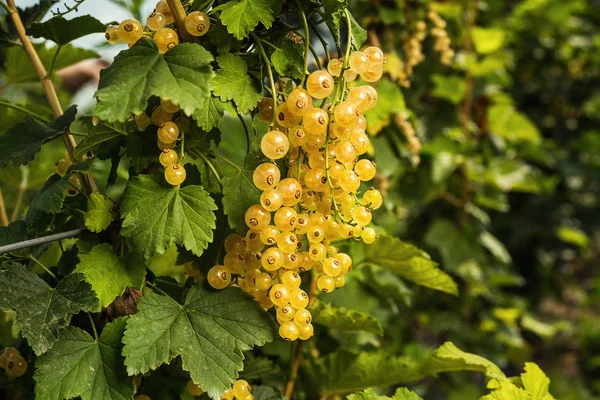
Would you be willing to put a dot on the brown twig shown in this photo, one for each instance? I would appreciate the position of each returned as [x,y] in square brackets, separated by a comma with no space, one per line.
[47,84]
[179,15]
[3,215]
[289,386]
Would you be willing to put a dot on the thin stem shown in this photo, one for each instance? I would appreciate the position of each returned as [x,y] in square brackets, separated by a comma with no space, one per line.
[306,42]
[323,43]
[24,111]
[228,161]
[297,358]
[35,260]
[245,131]
[179,15]
[3,214]
[269,71]
[54,58]
[157,289]
[69,9]
[41,240]
[93,326]
[47,85]
[16,208]
[211,167]
[5,6]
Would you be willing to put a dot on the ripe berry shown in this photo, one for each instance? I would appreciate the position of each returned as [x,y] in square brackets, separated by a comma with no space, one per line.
[298,298]
[197,23]
[272,259]
[7,352]
[325,283]
[266,176]
[369,235]
[289,331]
[175,174]
[168,157]
[287,242]
[168,132]
[315,121]
[375,55]
[335,67]
[285,313]
[359,62]
[112,35]
[305,332]
[168,106]
[332,267]
[257,217]
[291,190]
[286,219]
[299,102]
[142,121]
[345,114]
[319,84]
[156,21]
[263,281]
[275,144]
[163,7]
[284,116]
[297,135]
[241,389]
[271,199]
[15,365]
[166,39]
[193,389]
[365,170]
[317,251]
[265,109]
[279,295]
[130,31]
[269,235]
[302,317]
[160,116]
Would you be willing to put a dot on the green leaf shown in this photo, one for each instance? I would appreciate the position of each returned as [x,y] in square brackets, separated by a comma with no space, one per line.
[158,215]
[260,368]
[108,274]
[99,212]
[334,12]
[495,246]
[359,35]
[343,371]
[18,67]
[512,125]
[451,88]
[410,263]
[51,196]
[99,134]
[23,141]
[536,382]
[506,390]
[241,17]
[209,333]
[62,31]
[344,319]
[288,60]
[487,40]
[42,310]
[239,193]
[370,394]
[263,392]
[181,75]
[233,83]
[210,116]
[390,102]
[80,366]
[386,284]
[448,357]
[573,236]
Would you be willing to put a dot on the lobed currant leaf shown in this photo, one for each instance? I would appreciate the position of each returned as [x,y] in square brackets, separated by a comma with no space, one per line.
[344,319]
[410,263]
[98,135]
[108,274]
[209,332]
[232,82]
[288,60]
[239,194]
[370,394]
[62,31]
[50,198]
[43,310]
[448,357]
[157,215]
[181,75]
[99,213]
[79,366]
[241,17]
[210,116]
[344,371]
[23,141]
